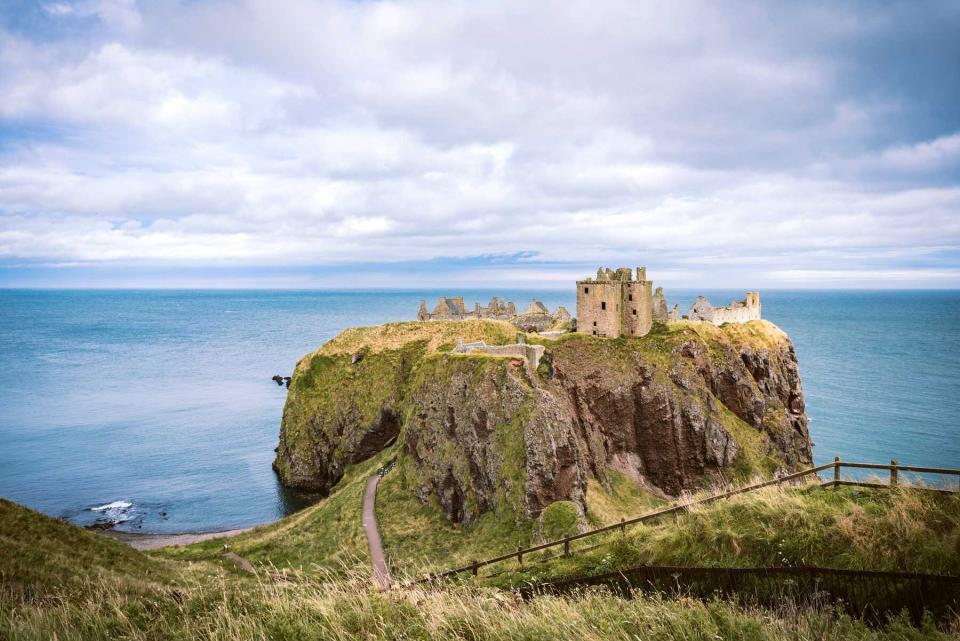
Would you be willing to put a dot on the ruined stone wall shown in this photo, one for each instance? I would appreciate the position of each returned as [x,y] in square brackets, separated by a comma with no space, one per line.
[598,308]
[637,308]
[660,312]
[701,310]
[536,318]
[739,311]
[531,354]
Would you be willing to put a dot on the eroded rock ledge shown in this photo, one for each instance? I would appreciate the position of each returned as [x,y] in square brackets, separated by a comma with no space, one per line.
[683,406]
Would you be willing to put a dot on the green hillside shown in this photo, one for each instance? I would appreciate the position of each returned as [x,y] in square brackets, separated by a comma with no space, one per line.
[61,582]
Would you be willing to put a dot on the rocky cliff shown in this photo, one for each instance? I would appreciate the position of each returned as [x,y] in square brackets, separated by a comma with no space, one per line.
[687,404]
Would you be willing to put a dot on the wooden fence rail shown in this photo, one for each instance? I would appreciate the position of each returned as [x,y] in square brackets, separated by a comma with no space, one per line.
[894,468]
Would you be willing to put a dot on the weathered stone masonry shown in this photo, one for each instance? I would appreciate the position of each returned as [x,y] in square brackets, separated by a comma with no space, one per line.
[739,311]
[614,304]
[536,318]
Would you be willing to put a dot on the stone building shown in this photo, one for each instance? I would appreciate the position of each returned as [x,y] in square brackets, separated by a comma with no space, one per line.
[614,304]
[453,308]
[536,318]
[739,311]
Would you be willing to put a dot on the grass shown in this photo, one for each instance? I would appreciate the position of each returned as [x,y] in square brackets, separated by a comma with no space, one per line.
[223,609]
[38,552]
[559,519]
[325,537]
[61,582]
[901,529]
[622,498]
[434,334]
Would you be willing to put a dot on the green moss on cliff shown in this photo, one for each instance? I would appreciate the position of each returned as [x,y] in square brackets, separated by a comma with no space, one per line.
[753,454]
[559,519]
[618,498]
[419,538]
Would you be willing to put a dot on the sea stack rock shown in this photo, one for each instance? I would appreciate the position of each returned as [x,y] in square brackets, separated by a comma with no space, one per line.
[688,404]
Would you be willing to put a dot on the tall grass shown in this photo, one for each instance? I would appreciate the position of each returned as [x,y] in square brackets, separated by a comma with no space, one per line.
[843,527]
[345,609]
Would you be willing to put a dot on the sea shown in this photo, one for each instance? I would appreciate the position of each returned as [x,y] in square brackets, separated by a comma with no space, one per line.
[155,410]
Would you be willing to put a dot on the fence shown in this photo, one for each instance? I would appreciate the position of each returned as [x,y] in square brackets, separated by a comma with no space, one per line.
[866,594]
[566,542]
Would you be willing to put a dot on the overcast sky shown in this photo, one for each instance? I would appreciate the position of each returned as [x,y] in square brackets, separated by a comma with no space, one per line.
[370,144]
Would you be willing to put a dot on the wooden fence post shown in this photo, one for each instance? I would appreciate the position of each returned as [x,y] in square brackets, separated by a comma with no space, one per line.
[566,548]
[520,554]
[474,567]
[836,468]
[623,526]
[893,472]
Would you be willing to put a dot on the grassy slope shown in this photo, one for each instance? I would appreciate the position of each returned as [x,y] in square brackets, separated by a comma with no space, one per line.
[81,586]
[127,595]
[39,553]
[325,537]
[419,538]
[844,527]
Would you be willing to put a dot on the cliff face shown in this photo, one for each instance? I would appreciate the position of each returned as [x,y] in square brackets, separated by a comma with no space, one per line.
[682,406]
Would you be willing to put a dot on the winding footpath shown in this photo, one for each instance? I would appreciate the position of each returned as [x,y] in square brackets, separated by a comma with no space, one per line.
[381,573]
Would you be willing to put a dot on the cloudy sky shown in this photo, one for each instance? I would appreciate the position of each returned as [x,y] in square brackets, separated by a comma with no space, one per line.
[368,144]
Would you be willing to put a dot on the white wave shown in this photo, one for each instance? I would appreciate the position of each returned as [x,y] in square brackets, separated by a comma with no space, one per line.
[116,505]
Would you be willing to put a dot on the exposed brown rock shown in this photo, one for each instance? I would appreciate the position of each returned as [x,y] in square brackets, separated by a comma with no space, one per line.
[685,405]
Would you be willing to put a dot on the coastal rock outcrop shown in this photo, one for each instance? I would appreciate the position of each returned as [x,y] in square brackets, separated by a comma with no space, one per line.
[686,405]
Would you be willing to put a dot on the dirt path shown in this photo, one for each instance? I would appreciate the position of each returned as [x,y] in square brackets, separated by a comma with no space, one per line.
[381,573]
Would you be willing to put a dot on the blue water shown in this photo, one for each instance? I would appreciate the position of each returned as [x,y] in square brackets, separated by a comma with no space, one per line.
[157,406]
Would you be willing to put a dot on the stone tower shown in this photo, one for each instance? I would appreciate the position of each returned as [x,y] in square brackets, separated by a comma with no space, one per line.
[614,304]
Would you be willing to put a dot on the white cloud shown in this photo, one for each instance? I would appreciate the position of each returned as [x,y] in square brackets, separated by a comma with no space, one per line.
[692,137]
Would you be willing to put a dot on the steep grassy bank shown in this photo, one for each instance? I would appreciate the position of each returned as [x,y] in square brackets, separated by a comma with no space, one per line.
[845,527]
[325,539]
[68,584]
[38,553]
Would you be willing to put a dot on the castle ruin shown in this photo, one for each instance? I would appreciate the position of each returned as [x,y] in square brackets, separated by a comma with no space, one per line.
[535,318]
[616,304]
[739,311]
[530,354]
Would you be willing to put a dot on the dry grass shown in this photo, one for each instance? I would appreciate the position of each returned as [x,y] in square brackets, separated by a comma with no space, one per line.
[436,334]
[222,608]
[844,527]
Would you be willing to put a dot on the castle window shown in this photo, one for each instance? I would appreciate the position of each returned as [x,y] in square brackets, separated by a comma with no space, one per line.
[630,297]
[586,290]
[603,305]
[634,312]
[594,332]
[594,324]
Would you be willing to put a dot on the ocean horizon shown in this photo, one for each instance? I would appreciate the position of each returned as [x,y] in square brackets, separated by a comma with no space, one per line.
[154,408]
